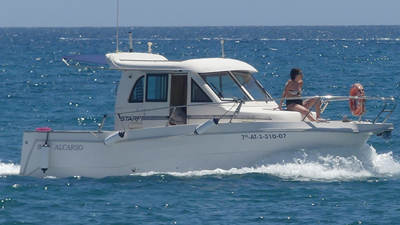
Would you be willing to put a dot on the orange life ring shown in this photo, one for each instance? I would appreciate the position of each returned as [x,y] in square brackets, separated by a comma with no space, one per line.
[357,106]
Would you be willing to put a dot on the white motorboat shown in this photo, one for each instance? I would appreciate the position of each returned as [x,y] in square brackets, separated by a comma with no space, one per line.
[198,114]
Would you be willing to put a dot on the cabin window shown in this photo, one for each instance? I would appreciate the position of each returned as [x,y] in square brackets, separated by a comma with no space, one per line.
[198,95]
[251,85]
[137,91]
[156,87]
[224,86]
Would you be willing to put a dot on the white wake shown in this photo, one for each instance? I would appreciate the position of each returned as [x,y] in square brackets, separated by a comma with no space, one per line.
[9,169]
[309,165]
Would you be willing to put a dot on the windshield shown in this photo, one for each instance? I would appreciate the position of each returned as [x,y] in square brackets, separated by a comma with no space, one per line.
[251,85]
[224,86]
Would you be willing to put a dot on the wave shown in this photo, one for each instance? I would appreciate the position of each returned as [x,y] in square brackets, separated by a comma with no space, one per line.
[7,169]
[310,165]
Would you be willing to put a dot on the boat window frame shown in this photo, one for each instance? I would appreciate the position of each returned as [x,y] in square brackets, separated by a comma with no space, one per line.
[141,78]
[266,95]
[200,90]
[245,94]
[163,90]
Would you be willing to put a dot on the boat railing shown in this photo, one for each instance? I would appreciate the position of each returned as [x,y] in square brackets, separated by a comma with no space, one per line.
[388,106]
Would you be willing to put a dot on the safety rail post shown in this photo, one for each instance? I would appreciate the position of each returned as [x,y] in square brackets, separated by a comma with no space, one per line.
[237,111]
[324,104]
[102,123]
[384,110]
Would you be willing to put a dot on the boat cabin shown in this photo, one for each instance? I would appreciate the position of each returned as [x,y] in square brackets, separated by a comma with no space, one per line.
[156,92]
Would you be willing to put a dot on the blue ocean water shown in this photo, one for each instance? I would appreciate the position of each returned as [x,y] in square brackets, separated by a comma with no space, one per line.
[300,186]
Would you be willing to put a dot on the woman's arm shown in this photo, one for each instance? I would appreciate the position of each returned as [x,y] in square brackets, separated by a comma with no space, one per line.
[284,94]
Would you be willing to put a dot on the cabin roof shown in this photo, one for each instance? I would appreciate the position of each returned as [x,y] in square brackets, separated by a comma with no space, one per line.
[154,62]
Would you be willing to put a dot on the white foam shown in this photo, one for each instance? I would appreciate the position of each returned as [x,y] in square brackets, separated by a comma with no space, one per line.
[9,169]
[386,165]
[326,165]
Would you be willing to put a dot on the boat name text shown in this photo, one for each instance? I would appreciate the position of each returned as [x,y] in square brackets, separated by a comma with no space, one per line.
[69,147]
[263,136]
[131,118]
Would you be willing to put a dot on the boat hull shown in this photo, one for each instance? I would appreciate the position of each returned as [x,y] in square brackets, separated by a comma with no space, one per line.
[178,149]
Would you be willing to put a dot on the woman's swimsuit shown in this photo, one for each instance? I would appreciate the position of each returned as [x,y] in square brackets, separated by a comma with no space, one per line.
[295,92]
[295,101]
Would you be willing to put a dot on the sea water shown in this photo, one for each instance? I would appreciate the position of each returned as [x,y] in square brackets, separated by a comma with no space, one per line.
[299,186]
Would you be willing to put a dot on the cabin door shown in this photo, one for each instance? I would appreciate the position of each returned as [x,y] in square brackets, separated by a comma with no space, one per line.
[178,98]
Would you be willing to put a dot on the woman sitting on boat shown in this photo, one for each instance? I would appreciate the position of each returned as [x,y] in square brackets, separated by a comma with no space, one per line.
[293,89]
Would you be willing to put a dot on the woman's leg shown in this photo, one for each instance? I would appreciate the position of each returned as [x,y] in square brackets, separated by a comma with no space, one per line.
[303,110]
[310,102]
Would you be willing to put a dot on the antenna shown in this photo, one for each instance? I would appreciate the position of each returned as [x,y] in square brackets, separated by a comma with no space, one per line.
[149,44]
[222,45]
[130,42]
[117,25]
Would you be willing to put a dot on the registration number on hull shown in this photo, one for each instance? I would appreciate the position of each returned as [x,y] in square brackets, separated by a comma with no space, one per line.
[263,136]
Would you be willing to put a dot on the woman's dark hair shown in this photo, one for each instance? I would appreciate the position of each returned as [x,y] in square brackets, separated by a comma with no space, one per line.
[294,73]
